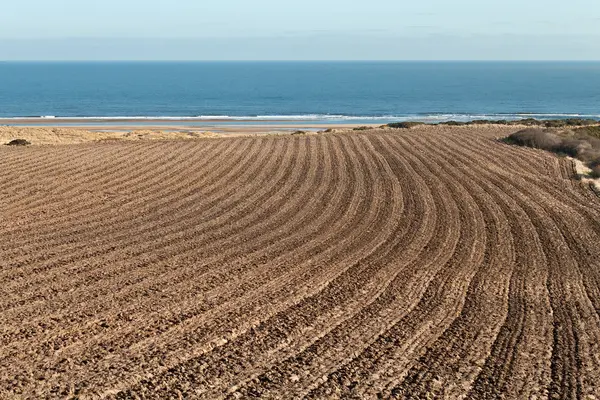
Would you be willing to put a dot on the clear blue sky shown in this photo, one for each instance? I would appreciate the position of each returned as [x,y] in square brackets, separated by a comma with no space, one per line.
[293,29]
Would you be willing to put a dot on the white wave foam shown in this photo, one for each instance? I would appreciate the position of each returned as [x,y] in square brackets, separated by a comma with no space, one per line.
[434,117]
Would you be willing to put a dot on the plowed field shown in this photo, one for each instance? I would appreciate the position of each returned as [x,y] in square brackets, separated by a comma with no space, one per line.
[423,263]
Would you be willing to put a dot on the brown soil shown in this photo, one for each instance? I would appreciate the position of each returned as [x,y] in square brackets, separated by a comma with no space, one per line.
[435,262]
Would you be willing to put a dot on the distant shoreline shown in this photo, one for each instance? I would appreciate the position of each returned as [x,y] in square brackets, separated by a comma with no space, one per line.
[144,120]
[274,122]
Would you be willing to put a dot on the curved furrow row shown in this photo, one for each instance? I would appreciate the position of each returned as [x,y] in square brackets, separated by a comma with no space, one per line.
[466,341]
[37,159]
[367,310]
[469,137]
[139,181]
[570,195]
[568,190]
[124,236]
[145,169]
[577,201]
[306,286]
[538,197]
[38,193]
[380,359]
[249,336]
[561,205]
[292,321]
[169,273]
[77,174]
[355,210]
[86,300]
[464,347]
[431,262]
[28,162]
[573,285]
[527,328]
[536,214]
[69,220]
[401,283]
[168,279]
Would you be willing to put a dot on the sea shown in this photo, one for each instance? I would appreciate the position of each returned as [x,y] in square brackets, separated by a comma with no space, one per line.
[297,92]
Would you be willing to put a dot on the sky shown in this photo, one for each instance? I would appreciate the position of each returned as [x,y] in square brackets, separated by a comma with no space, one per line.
[300,30]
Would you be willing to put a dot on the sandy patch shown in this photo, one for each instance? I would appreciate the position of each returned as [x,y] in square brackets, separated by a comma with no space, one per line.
[585,174]
[52,136]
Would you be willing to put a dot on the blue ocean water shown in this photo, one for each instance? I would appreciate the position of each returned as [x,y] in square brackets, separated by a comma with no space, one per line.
[327,91]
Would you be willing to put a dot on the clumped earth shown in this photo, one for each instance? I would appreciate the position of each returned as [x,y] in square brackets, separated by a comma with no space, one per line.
[427,263]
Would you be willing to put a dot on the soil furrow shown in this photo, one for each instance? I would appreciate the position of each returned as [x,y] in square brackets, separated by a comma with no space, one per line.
[433,262]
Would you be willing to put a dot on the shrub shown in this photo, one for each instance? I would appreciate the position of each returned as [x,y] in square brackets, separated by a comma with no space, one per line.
[528,122]
[593,131]
[595,165]
[560,123]
[18,142]
[453,123]
[361,128]
[537,138]
[581,122]
[555,123]
[298,133]
[590,156]
[404,125]
[572,147]
[594,142]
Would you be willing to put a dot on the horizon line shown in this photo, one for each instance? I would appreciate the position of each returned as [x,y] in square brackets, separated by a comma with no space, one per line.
[294,60]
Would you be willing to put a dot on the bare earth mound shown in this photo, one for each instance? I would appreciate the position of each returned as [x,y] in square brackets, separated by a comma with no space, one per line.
[419,263]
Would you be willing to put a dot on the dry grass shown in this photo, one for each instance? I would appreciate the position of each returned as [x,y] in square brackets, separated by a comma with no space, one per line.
[536,138]
[404,125]
[593,131]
